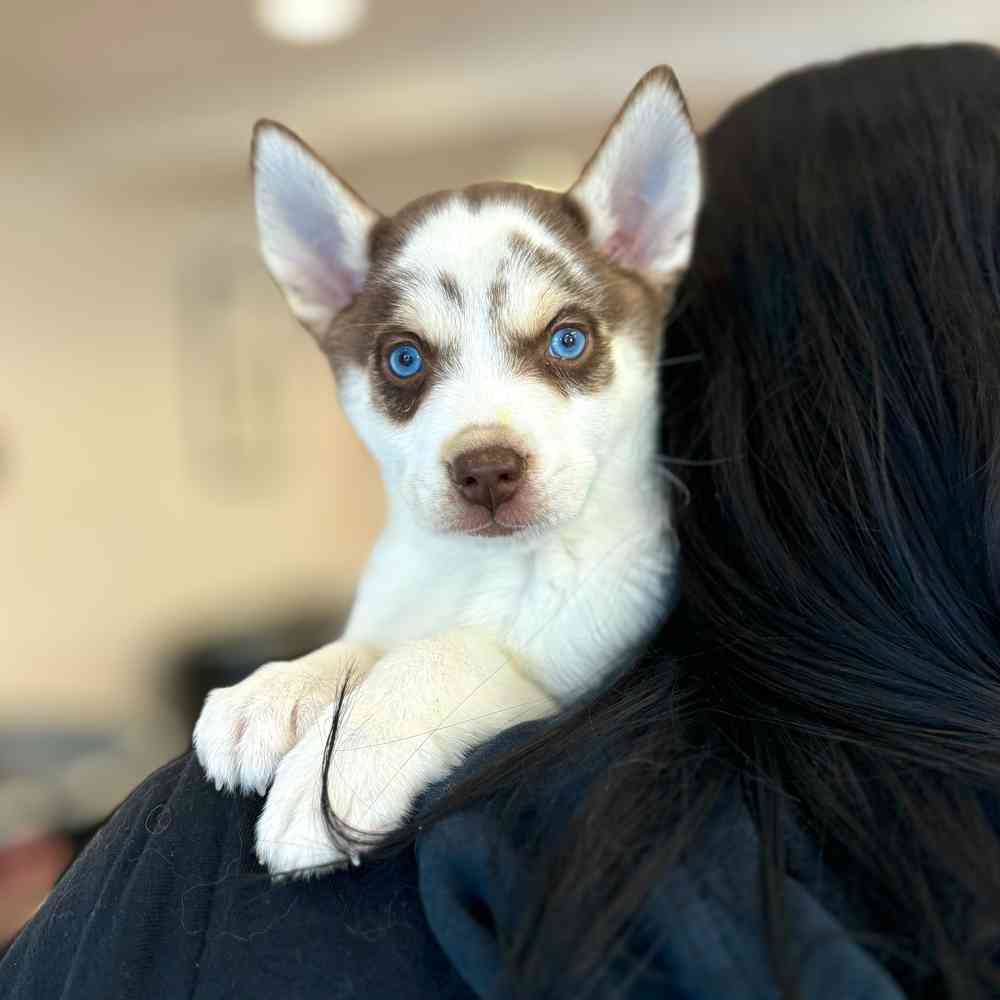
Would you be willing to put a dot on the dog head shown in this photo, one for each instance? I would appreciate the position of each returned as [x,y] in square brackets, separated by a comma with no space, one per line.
[493,347]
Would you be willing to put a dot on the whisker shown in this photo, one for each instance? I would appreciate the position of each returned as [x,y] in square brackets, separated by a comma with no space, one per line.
[681,359]
[423,742]
[676,482]
[673,460]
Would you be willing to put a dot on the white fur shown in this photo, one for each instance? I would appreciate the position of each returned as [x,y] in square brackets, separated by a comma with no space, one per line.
[455,637]
[394,740]
[245,730]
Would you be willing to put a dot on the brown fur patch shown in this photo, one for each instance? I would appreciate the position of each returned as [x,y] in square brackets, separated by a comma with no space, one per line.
[611,302]
[351,337]
[591,372]
[496,296]
[619,302]
[559,213]
[391,231]
[399,399]
[484,436]
[622,299]
[554,268]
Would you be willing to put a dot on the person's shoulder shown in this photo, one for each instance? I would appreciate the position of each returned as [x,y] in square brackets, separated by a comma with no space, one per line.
[168,899]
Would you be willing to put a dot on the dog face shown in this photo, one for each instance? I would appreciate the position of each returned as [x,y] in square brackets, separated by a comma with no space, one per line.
[493,347]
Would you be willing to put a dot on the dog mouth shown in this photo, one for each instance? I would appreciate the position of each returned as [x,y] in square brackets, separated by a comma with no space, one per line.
[494,529]
[481,522]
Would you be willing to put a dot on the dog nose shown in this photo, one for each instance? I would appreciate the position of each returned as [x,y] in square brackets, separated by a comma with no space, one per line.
[488,477]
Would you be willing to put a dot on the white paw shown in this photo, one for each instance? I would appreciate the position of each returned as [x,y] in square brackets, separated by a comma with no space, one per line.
[404,727]
[371,787]
[245,730]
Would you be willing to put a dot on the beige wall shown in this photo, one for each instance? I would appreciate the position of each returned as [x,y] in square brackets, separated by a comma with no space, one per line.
[114,538]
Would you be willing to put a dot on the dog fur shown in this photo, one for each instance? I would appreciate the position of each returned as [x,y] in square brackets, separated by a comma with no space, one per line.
[471,615]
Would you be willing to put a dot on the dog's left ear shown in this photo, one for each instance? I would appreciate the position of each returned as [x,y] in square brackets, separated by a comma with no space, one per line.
[642,189]
[313,229]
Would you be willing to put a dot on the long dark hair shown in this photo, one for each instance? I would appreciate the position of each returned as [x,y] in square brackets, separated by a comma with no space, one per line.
[836,652]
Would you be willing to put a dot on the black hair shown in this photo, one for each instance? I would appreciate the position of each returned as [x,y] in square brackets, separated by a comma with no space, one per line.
[836,651]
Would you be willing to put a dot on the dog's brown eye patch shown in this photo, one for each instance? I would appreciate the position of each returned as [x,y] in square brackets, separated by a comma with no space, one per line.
[402,370]
[590,371]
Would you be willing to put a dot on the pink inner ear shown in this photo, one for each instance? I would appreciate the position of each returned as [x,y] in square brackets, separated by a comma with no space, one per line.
[638,201]
[325,274]
[620,245]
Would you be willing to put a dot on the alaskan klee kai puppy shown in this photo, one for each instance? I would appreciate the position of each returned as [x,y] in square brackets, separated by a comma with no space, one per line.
[496,350]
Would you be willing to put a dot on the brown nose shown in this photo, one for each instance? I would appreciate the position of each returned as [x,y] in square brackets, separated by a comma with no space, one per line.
[488,477]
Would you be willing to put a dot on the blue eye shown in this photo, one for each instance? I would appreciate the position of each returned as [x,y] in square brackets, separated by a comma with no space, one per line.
[405,361]
[567,343]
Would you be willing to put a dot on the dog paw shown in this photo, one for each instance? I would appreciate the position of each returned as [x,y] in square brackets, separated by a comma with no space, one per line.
[370,789]
[407,725]
[245,730]
[292,836]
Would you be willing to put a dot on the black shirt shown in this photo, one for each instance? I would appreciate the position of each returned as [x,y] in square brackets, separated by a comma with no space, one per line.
[168,900]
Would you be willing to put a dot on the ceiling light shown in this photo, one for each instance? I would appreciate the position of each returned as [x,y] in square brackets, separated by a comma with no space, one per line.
[309,22]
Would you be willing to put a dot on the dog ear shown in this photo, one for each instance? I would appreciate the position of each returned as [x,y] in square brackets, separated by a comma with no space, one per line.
[313,229]
[642,189]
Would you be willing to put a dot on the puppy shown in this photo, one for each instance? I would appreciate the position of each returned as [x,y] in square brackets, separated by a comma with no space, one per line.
[496,350]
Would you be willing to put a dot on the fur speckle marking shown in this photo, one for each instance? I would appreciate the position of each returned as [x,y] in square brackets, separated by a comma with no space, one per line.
[507,259]
[496,296]
[451,290]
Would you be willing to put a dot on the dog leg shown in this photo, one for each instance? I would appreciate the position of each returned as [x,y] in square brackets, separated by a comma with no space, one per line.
[419,710]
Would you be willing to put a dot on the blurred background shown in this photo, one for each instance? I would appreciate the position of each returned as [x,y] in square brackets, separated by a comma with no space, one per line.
[180,498]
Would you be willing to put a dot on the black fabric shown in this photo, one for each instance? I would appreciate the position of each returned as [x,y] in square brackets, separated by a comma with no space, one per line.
[702,926]
[168,901]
